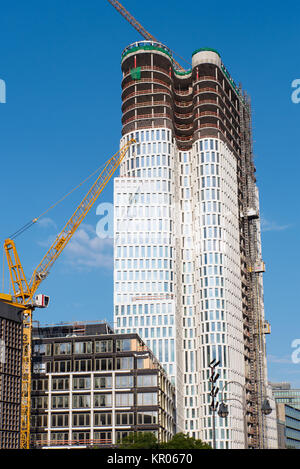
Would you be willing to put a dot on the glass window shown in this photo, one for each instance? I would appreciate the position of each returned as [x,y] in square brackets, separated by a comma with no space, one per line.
[146,418]
[147,398]
[61,366]
[62,348]
[103,346]
[141,362]
[146,380]
[60,384]
[103,437]
[59,436]
[81,401]
[83,347]
[123,345]
[81,382]
[124,418]
[102,400]
[102,382]
[102,419]
[39,349]
[83,365]
[125,363]
[81,420]
[60,402]
[124,381]
[60,420]
[39,367]
[124,400]
[103,364]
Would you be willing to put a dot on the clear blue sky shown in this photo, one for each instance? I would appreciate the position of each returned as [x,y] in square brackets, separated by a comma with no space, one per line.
[61,64]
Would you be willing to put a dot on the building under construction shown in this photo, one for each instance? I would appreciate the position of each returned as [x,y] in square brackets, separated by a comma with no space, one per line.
[189,184]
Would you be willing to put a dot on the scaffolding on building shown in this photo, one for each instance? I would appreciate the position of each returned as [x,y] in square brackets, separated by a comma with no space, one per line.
[253,269]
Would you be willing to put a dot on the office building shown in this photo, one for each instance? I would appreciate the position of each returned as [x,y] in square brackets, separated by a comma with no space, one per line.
[188,265]
[91,387]
[10,375]
[283,393]
[289,426]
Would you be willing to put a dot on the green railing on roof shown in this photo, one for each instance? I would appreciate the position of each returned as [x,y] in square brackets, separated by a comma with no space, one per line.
[160,49]
[234,86]
[203,49]
[146,47]
[182,72]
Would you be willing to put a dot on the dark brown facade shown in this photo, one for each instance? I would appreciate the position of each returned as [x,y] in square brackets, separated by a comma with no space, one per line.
[10,375]
[197,103]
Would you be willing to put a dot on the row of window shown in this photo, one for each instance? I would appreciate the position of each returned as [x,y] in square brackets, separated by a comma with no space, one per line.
[141,198]
[144,275]
[146,321]
[147,173]
[150,135]
[211,304]
[81,401]
[145,225]
[148,287]
[134,211]
[86,347]
[159,308]
[148,161]
[81,437]
[212,258]
[139,321]
[208,170]
[210,194]
[99,382]
[101,419]
[126,264]
[207,144]
[144,251]
[98,364]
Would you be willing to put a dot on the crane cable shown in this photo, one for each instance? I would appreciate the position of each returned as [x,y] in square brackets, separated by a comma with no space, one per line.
[32,222]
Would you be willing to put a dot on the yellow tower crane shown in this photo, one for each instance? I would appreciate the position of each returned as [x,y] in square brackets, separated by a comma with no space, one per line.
[24,292]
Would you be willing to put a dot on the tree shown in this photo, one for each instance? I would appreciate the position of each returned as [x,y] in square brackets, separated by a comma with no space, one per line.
[149,441]
[182,441]
[139,441]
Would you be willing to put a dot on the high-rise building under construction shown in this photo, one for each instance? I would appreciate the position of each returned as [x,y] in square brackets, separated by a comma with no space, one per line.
[188,265]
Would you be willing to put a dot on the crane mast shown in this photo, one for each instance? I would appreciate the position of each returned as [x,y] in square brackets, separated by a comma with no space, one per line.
[23,291]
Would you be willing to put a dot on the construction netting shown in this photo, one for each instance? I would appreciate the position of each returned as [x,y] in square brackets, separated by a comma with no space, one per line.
[136,73]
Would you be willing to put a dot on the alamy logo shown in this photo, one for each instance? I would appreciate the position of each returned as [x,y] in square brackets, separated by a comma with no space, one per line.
[2,92]
[296,353]
[105,227]
[295,97]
